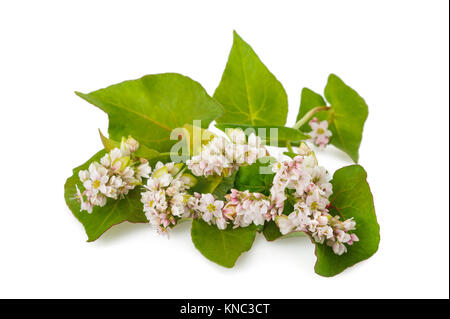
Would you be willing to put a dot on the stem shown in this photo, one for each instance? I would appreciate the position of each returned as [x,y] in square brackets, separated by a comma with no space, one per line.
[289,147]
[309,114]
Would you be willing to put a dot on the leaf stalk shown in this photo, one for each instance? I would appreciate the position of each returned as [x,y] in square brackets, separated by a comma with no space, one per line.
[309,114]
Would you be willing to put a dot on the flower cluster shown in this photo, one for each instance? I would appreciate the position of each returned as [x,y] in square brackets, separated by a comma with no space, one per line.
[245,208]
[320,134]
[300,178]
[165,199]
[306,184]
[118,172]
[241,209]
[223,157]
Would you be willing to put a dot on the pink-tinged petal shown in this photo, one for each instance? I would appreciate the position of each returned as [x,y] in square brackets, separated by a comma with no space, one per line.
[324,125]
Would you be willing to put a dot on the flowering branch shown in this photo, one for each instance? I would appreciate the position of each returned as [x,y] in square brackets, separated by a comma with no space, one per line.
[227,186]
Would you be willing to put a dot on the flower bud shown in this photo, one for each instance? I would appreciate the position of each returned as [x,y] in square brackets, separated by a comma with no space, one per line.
[129,145]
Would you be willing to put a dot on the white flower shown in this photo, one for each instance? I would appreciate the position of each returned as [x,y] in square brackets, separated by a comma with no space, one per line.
[320,134]
[339,248]
[129,145]
[165,180]
[98,177]
[83,175]
[143,170]
[322,220]
[209,204]
[221,223]
[319,175]
[342,236]
[254,141]
[316,199]
[237,136]
[285,224]
[309,162]
[353,239]
[325,232]
[349,224]
[112,159]
[97,199]
[85,205]
[207,217]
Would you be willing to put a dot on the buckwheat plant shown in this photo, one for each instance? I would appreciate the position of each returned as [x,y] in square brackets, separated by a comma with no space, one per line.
[230,165]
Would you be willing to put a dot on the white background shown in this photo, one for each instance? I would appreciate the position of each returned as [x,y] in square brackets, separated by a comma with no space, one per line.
[394,53]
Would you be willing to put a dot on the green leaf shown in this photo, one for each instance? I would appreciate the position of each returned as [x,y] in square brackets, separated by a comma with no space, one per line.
[349,113]
[271,231]
[290,154]
[222,246]
[249,93]
[108,144]
[208,184]
[224,186]
[309,100]
[351,198]
[251,177]
[346,116]
[149,108]
[283,134]
[145,152]
[103,218]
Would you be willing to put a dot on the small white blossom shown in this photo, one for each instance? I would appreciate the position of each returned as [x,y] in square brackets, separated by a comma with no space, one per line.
[143,171]
[98,177]
[129,145]
[320,135]
[237,136]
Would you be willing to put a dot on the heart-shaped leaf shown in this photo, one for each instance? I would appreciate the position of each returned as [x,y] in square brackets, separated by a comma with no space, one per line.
[270,134]
[351,198]
[249,93]
[149,108]
[346,116]
[222,246]
[103,218]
